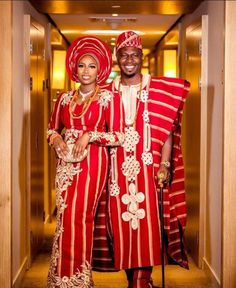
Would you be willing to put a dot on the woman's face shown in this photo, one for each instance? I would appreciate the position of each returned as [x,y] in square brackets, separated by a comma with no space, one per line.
[87,70]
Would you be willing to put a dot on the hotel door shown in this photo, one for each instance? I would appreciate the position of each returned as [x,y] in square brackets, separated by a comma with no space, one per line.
[37,135]
[191,139]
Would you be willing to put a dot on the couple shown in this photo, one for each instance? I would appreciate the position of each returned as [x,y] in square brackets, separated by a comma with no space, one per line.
[139,117]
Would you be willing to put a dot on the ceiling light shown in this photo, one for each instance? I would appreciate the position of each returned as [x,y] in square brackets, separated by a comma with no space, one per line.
[71,31]
[115,18]
[172,43]
[156,32]
[115,6]
[109,32]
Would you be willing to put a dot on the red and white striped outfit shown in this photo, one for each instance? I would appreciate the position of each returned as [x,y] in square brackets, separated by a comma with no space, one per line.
[79,187]
[133,190]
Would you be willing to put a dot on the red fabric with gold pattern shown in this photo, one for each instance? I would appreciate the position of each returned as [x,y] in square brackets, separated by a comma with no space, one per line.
[79,187]
[128,39]
[89,45]
[165,106]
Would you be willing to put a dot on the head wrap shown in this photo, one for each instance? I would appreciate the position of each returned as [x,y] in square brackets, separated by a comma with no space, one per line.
[89,45]
[128,39]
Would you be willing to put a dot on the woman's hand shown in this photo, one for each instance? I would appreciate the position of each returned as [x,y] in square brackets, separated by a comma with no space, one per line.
[80,145]
[163,175]
[60,146]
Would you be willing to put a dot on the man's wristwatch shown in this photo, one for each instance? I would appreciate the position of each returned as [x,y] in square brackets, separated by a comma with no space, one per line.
[165,164]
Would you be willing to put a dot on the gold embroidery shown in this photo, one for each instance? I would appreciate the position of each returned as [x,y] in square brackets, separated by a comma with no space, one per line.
[83,278]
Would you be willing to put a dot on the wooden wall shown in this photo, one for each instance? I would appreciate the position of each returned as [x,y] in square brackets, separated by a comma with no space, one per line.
[5,143]
[229,183]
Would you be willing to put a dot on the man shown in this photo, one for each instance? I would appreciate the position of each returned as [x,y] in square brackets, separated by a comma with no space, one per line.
[152,109]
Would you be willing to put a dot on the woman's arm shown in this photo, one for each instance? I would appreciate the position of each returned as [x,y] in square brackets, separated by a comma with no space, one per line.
[55,126]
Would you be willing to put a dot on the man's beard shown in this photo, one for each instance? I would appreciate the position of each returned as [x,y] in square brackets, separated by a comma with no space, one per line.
[129,75]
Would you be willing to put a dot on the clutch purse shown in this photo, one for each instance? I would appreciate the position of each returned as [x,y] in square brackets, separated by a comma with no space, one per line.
[69,156]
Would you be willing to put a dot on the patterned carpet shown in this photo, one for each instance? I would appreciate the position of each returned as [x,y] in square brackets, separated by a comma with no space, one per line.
[175,276]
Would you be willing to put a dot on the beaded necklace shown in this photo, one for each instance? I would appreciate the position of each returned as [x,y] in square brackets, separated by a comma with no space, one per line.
[86,104]
[84,95]
[129,122]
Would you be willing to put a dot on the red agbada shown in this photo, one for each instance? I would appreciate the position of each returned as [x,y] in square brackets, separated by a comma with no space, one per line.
[133,190]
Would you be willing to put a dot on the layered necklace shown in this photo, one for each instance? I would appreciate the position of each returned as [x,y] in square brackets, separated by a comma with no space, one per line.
[86,94]
[130,106]
[85,100]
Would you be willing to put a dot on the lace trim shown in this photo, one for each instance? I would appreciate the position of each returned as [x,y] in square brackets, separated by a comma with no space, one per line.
[134,214]
[131,139]
[79,279]
[66,98]
[111,138]
[64,177]
[51,132]
[131,167]
[105,97]
[71,135]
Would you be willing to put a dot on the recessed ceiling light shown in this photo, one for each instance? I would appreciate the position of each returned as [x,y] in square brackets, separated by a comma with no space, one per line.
[171,43]
[114,17]
[109,32]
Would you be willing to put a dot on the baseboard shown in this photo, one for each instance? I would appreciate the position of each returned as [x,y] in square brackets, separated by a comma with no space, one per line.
[20,274]
[215,280]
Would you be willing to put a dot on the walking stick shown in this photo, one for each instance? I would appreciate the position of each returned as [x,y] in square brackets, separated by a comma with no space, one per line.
[160,177]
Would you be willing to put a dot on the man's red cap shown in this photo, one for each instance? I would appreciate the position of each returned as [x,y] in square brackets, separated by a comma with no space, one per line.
[128,39]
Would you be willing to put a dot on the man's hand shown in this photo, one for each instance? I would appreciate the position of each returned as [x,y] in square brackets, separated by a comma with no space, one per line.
[163,175]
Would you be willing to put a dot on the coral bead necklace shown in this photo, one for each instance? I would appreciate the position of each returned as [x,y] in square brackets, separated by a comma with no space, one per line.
[86,103]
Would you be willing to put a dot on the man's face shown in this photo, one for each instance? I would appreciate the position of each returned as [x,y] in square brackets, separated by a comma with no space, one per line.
[130,61]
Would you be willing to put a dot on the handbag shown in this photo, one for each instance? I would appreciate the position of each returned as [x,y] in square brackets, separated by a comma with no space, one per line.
[69,156]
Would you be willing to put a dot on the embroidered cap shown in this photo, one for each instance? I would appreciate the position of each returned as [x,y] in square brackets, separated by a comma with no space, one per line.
[89,45]
[128,39]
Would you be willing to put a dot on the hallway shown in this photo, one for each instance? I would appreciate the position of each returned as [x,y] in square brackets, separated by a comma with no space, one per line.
[201,35]
[176,277]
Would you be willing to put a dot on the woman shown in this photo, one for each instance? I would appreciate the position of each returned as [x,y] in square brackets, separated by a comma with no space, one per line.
[78,133]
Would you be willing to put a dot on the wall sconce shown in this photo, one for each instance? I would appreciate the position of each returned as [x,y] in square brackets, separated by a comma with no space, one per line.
[170,63]
[58,69]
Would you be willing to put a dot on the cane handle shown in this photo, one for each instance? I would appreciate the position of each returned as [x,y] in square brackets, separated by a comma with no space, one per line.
[161,176]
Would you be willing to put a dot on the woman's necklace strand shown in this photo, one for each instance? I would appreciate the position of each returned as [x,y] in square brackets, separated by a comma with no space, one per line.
[84,95]
[85,106]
